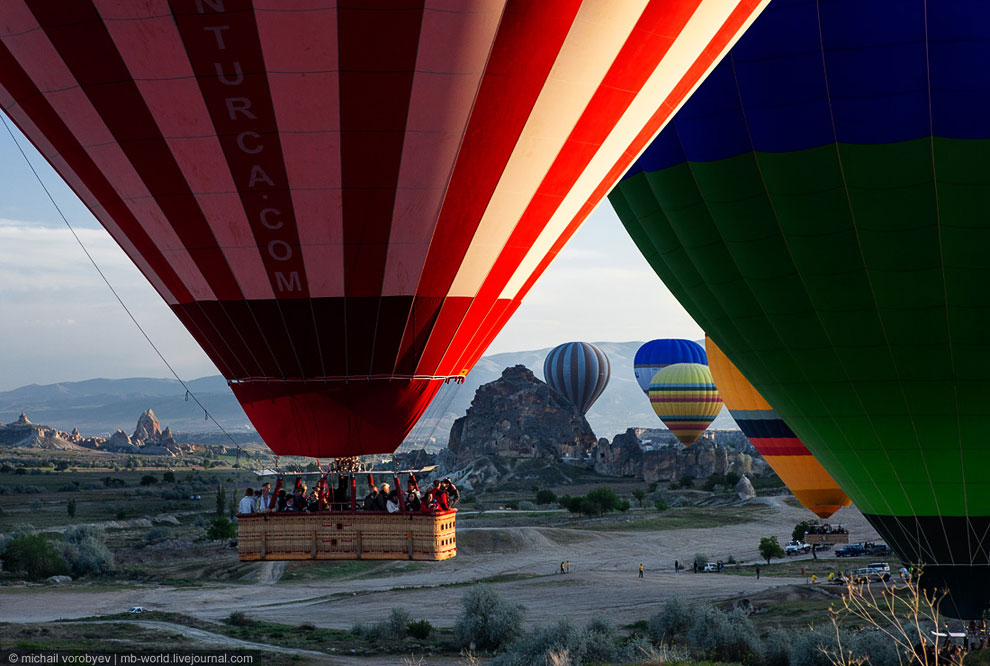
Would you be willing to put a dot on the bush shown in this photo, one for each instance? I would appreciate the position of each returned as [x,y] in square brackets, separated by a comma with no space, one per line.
[21,489]
[776,647]
[488,621]
[526,505]
[156,534]
[687,481]
[731,479]
[421,629]
[86,551]
[671,623]
[564,643]
[71,508]
[149,480]
[725,637]
[33,555]
[239,619]
[114,482]
[69,488]
[398,622]
[700,559]
[221,529]
[661,505]
[545,497]
[168,477]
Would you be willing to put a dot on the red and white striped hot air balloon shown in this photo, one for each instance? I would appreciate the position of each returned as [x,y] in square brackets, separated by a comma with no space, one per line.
[345,201]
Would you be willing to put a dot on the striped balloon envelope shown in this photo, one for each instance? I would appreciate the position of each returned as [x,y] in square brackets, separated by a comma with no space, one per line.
[685,398]
[344,202]
[821,207]
[579,371]
[773,439]
[656,355]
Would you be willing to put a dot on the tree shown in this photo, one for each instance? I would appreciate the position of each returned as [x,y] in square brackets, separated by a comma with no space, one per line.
[769,548]
[33,554]
[801,528]
[545,497]
[687,481]
[71,508]
[488,621]
[168,477]
[640,496]
[221,499]
[221,529]
[148,480]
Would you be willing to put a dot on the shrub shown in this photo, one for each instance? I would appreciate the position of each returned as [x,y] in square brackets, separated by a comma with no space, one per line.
[731,479]
[86,551]
[33,555]
[488,621]
[673,485]
[539,647]
[69,488]
[421,629]
[687,481]
[239,619]
[525,505]
[149,480]
[71,508]
[700,559]
[545,497]
[776,647]
[672,622]
[398,622]
[168,477]
[725,637]
[221,529]
[114,482]
[661,505]
[158,534]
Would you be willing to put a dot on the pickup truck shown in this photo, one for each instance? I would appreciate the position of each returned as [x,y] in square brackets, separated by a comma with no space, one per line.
[796,547]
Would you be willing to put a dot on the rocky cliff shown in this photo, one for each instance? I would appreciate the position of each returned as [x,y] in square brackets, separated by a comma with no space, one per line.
[518,416]
[628,455]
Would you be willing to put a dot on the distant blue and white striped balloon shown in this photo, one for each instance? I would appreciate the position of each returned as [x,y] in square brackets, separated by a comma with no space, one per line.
[579,371]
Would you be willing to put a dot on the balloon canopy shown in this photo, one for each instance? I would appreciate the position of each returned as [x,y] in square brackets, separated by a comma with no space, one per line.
[685,398]
[773,439]
[820,206]
[344,202]
[579,371]
[656,355]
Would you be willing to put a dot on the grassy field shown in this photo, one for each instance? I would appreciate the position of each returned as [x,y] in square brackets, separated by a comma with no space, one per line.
[820,567]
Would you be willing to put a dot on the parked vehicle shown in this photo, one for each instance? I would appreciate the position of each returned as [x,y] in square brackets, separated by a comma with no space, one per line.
[850,550]
[796,547]
[882,567]
[877,549]
[710,567]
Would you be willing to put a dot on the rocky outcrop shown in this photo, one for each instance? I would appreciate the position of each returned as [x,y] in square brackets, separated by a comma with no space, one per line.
[22,420]
[745,488]
[148,430]
[121,441]
[518,416]
[627,455]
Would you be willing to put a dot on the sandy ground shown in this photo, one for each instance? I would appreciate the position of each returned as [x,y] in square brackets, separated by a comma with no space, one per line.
[603,578]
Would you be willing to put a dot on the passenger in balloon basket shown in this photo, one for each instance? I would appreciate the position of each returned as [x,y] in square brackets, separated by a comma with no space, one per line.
[440,495]
[392,503]
[381,500]
[340,494]
[263,501]
[452,493]
[371,499]
[413,500]
[246,505]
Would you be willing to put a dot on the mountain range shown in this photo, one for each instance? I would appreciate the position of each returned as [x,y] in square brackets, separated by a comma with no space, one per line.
[100,406]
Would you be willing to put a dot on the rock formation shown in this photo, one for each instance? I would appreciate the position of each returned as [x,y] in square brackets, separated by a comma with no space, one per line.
[121,441]
[516,416]
[147,429]
[745,488]
[627,455]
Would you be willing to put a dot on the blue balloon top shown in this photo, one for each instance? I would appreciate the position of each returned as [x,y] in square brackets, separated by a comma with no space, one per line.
[655,355]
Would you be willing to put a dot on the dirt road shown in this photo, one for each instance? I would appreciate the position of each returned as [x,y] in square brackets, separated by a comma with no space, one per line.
[603,580]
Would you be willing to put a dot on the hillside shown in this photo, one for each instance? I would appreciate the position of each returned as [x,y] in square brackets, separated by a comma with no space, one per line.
[100,406]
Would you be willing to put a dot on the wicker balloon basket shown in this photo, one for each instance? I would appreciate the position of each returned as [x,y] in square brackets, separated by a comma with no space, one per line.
[361,535]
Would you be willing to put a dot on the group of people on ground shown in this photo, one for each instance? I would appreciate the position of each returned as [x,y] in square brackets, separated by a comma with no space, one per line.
[441,496]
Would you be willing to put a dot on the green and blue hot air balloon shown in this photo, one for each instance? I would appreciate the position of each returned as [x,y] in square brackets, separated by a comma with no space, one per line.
[821,207]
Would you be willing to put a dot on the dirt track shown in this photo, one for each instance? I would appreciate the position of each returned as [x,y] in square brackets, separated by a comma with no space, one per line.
[603,578]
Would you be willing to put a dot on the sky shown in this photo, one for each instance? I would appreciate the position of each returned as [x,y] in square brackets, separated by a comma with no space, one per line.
[60,322]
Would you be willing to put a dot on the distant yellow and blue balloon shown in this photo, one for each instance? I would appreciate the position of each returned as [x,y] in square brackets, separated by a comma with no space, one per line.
[685,398]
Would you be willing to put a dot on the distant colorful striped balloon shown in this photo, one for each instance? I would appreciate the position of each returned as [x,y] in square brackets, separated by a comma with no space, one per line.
[774,440]
[656,355]
[685,398]
[579,371]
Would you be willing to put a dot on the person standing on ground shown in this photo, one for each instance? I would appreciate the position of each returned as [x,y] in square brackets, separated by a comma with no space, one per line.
[757,573]
[677,566]
[641,570]
[568,566]
[561,567]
